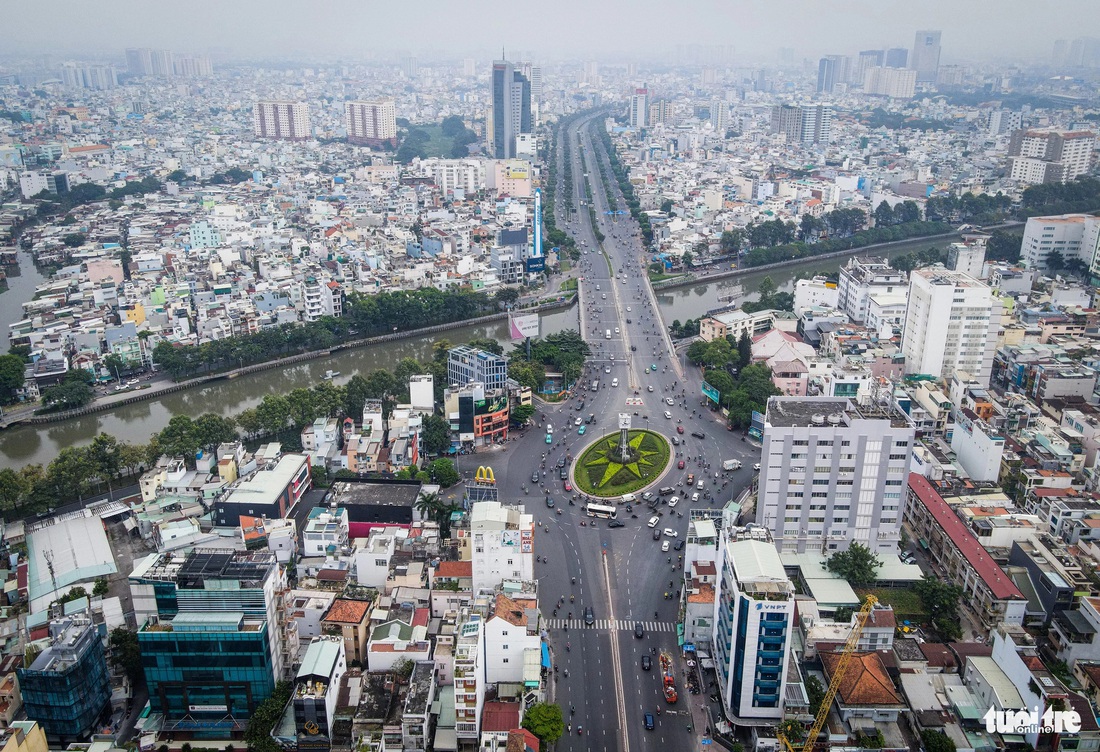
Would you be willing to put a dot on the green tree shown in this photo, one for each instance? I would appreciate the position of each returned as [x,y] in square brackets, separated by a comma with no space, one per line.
[12,369]
[520,414]
[68,395]
[687,258]
[1055,261]
[437,434]
[101,588]
[544,720]
[858,565]
[936,741]
[177,176]
[486,344]
[884,214]
[13,490]
[178,438]
[444,473]
[319,476]
[104,455]
[212,429]
[941,601]
[506,296]
[70,473]
[258,733]
[74,239]
[666,206]
[744,349]
[126,653]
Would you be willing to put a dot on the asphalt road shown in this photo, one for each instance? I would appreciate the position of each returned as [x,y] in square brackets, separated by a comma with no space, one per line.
[620,572]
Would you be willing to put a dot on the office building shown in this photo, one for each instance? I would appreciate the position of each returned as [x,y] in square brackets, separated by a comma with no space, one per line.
[510,114]
[832,70]
[867,59]
[809,124]
[639,109]
[213,634]
[831,475]
[897,57]
[533,73]
[753,625]
[951,325]
[31,183]
[467,364]
[926,56]
[1049,156]
[66,686]
[719,115]
[1075,236]
[96,77]
[861,278]
[272,492]
[896,83]
[192,66]
[162,63]
[371,123]
[477,416]
[469,67]
[287,121]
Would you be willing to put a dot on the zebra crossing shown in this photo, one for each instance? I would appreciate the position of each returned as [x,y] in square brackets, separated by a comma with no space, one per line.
[621,625]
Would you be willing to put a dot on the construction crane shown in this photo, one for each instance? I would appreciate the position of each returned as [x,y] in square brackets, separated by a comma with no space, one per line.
[834,685]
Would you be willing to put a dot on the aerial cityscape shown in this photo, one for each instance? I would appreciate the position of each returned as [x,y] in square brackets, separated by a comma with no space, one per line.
[715,377]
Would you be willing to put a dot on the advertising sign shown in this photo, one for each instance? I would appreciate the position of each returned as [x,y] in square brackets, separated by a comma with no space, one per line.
[523,327]
[711,393]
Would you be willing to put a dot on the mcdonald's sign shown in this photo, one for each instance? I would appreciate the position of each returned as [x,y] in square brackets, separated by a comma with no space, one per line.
[484,474]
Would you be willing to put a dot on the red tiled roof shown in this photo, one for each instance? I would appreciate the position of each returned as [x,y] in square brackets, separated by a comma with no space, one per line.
[347,612]
[865,682]
[420,617]
[991,573]
[500,716]
[455,569]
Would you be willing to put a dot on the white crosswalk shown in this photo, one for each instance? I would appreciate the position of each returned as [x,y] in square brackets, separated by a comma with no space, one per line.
[621,625]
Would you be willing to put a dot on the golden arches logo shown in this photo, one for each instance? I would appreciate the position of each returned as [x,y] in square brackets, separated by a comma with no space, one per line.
[484,474]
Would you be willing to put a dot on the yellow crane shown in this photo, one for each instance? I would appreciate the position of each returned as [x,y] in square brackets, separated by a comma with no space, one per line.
[834,685]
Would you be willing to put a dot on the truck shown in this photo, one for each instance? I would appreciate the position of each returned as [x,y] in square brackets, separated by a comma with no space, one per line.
[668,678]
[731,465]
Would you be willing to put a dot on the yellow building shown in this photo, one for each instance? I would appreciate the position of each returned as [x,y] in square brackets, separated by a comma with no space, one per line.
[24,736]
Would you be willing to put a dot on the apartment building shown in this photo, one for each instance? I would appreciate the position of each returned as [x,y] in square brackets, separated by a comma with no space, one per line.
[1049,156]
[1074,236]
[371,123]
[862,277]
[287,121]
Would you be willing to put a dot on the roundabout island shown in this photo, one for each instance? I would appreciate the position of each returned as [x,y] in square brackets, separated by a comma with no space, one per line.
[621,463]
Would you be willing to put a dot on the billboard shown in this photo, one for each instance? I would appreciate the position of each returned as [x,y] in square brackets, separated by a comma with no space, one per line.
[523,327]
[536,264]
[711,393]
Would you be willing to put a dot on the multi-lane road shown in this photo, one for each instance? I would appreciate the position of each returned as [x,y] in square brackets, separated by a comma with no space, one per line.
[620,573]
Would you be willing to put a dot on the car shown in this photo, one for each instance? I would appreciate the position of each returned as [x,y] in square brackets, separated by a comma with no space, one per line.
[635,349]
[612,356]
[654,521]
[656,534]
[648,496]
[669,401]
[647,663]
[578,421]
[666,491]
[675,441]
[756,466]
[589,616]
[639,630]
[695,497]
[630,322]
[668,415]
[698,434]
[670,533]
[607,369]
[616,330]
[649,723]
[674,501]
[549,438]
[614,382]
[628,309]
[680,465]
[679,545]
[680,430]
[664,547]
[549,503]
[649,388]
[563,473]
[603,296]
[616,523]
[581,430]
[691,479]
[699,485]
[591,418]
[535,477]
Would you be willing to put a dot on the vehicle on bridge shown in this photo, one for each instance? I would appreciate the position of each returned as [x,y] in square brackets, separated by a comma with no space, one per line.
[602,511]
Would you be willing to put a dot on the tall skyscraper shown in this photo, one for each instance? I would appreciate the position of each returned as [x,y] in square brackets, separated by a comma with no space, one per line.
[534,76]
[832,70]
[288,121]
[639,108]
[831,475]
[162,63]
[926,56]
[951,325]
[753,623]
[371,123]
[897,57]
[511,110]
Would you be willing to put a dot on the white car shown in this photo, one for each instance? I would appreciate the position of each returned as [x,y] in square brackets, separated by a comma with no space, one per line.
[756,467]
[695,496]
[669,401]
[607,369]
[628,309]
[670,533]
[616,330]
[650,387]
[699,485]
[654,521]
[664,547]
[603,296]
[577,422]
[668,415]
[674,501]
[614,382]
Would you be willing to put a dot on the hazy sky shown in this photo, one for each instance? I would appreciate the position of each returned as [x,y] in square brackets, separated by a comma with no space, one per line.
[972,29]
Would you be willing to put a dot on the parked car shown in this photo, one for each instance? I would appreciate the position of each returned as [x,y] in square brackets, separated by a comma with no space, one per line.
[656,534]
[679,545]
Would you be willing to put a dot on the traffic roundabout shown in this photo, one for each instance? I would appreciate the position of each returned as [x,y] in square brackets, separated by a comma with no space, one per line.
[610,467]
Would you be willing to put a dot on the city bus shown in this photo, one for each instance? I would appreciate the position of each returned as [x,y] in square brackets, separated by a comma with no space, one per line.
[602,511]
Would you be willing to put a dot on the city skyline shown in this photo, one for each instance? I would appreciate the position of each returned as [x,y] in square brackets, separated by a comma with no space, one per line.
[249,29]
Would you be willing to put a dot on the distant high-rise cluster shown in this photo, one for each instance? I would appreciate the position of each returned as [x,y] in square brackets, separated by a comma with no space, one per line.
[833,70]
[1083,52]
[143,61]
[288,121]
[98,77]
[371,123]
[510,114]
[926,56]
[811,124]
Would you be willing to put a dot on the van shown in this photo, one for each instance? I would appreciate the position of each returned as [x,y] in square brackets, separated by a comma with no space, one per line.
[629,498]
[654,521]
[595,384]
[667,491]
[607,334]
[614,382]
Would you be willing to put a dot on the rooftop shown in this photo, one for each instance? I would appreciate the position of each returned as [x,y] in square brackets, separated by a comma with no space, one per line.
[865,682]
[345,611]
[806,411]
[395,493]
